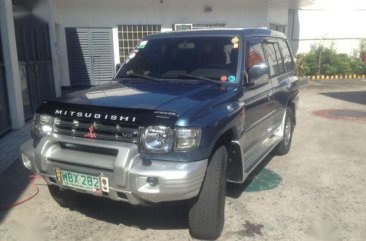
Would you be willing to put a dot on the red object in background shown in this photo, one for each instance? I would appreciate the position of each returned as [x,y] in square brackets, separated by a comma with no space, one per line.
[364,57]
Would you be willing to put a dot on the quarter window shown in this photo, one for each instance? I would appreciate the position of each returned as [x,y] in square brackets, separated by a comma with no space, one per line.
[287,58]
[274,58]
[281,67]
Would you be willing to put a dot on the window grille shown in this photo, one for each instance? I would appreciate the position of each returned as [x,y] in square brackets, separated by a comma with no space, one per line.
[278,27]
[208,25]
[130,35]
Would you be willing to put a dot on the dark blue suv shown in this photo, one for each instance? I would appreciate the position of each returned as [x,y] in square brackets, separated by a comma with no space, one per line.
[186,112]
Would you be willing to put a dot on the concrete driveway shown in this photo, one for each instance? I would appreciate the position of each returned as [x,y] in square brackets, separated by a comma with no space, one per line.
[316,192]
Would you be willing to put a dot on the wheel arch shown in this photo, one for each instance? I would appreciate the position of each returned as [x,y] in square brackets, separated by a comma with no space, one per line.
[291,103]
[235,163]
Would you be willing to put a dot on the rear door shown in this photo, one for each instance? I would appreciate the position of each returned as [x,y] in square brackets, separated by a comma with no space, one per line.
[258,106]
[280,61]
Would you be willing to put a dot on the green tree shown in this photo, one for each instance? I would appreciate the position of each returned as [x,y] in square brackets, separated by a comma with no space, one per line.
[326,61]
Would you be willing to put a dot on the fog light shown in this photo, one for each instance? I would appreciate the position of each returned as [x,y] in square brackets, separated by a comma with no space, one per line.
[26,161]
[153,181]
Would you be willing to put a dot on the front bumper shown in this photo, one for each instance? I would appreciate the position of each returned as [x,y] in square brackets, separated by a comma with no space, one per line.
[121,163]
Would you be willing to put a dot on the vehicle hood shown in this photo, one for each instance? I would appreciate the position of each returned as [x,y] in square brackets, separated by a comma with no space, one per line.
[163,96]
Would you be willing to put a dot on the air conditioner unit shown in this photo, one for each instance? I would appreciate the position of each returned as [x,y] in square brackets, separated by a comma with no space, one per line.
[182,26]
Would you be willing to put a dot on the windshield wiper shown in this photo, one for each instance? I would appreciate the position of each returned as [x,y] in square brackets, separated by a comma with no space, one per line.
[193,77]
[139,76]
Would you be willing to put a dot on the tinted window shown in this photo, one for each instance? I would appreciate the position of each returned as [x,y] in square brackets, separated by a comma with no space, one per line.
[255,55]
[274,57]
[210,57]
[281,66]
[286,54]
[271,58]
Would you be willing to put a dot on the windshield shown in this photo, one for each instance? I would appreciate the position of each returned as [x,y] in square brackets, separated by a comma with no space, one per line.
[212,58]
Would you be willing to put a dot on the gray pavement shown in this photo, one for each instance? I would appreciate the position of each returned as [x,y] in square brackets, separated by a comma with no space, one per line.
[316,192]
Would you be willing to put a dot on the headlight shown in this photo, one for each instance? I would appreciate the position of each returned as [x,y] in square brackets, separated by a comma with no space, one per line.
[41,125]
[158,139]
[187,138]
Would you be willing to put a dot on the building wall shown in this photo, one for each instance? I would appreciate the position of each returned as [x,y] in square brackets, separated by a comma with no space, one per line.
[111,13]
[339,23]
[277,13]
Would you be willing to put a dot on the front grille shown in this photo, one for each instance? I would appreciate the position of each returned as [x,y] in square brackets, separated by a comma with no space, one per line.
[95,130]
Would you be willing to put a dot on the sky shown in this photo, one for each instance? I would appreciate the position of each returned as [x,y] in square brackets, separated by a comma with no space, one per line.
[341,21]
[338,4]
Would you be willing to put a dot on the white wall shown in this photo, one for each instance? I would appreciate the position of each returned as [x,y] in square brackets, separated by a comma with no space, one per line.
[277,13]
[326,21]
[111,13]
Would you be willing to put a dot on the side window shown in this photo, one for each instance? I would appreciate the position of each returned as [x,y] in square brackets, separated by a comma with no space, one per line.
[271,58]
[289,63]
[255,55]
[281,66]
[274,57]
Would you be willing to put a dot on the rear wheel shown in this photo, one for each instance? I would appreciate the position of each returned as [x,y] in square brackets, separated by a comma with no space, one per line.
[284,146]
[206,215]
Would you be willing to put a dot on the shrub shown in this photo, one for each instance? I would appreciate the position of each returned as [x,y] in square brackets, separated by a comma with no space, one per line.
[322,60]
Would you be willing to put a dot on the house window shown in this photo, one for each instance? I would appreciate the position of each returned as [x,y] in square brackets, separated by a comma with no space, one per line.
[278,27]
[208,25]
[130,35]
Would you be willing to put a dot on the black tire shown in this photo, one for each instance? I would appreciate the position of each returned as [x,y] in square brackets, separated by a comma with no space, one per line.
[64,198]
[206,215]
[284,146]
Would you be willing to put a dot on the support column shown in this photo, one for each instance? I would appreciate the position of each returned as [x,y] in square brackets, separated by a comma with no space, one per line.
[12,77]
[53,44]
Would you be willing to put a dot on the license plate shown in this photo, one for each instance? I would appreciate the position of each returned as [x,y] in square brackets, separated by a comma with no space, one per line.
[78,180]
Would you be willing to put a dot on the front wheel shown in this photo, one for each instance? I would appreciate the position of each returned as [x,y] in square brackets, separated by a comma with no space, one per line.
[284,146]
[206,215]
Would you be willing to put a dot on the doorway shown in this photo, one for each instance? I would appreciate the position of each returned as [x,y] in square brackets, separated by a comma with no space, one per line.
[35,63]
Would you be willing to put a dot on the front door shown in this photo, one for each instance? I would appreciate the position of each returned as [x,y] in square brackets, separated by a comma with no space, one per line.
[90,55]
[259,107]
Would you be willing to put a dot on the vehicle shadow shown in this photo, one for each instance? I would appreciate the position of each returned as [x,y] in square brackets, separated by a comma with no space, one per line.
[358,97]
[172,215]
[13,182]
[166,216]
[159,216]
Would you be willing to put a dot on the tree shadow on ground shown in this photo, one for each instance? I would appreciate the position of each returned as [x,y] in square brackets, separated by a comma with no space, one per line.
[260,179]
[358,97]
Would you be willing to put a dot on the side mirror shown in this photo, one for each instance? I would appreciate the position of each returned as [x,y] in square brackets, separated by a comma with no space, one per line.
[258,72]
[118,66]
